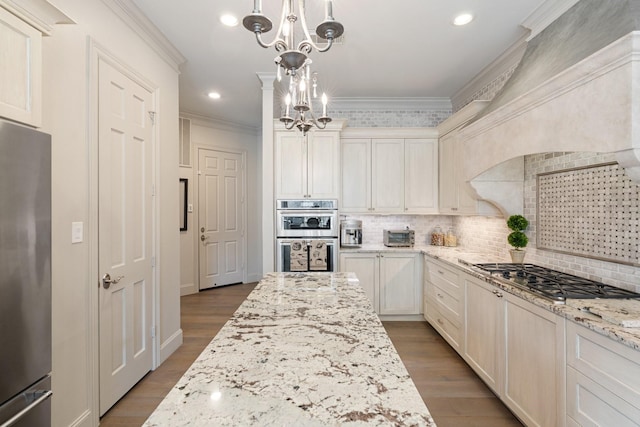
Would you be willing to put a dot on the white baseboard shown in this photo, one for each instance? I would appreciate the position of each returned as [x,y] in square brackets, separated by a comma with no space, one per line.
[169,346]
[188,289]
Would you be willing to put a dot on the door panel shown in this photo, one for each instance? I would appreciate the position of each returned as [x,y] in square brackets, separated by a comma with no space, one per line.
[220,201]
[124,232]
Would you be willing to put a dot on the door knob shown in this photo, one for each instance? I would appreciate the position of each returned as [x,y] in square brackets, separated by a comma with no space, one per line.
[107,280]
[203,237]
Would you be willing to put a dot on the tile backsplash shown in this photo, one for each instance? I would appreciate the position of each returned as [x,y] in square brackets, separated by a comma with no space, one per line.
[423,225]
[482,234]
[392,118]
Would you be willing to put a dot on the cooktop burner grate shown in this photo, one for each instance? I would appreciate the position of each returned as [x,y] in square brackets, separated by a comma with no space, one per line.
[553,284]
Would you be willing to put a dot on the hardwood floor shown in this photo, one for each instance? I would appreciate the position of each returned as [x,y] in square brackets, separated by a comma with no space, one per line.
[453,393]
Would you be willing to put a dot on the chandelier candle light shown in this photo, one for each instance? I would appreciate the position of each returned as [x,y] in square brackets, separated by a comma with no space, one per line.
[295,61]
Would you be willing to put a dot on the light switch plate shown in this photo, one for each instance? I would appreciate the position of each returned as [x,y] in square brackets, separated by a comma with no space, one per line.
[77,232]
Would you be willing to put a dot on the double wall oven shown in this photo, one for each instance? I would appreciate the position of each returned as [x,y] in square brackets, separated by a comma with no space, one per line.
[307,235]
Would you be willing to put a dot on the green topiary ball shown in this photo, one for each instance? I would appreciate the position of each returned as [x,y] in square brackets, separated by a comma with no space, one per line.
[518,239]
[517,223]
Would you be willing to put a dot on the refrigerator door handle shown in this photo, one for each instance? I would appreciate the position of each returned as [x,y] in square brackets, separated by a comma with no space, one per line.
[44,395]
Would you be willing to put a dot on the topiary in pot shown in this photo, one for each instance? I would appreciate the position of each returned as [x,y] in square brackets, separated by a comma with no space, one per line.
[517,238]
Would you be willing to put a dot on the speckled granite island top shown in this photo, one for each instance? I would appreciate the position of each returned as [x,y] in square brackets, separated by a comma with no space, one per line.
[304,349]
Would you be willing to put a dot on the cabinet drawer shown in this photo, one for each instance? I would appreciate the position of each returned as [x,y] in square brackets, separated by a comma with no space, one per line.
[444,278]
[449,330]
[611,365]
[449,305]
[588,403]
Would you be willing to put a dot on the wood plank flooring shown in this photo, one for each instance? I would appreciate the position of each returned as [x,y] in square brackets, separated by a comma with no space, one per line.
[453,393]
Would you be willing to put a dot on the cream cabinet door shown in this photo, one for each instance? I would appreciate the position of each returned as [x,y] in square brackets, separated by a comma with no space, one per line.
[21,70]
[323,164]
[307,166]
[447,175]
[455,198]
[290,165]
[400,283]
[387,175]
[484,331]
[365,266]
[421,176]
[534,361]
[356,175]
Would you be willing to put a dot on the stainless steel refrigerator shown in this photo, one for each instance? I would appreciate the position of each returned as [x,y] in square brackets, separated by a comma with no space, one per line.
[25,276]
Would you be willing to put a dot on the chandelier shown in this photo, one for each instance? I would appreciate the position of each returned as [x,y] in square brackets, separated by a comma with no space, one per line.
[284,41]
[303,89]
[293,60]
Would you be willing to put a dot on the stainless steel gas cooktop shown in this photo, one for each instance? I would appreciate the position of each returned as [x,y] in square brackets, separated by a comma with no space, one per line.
[553,284]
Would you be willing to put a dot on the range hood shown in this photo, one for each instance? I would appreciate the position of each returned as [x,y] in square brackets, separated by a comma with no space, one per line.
[577,88]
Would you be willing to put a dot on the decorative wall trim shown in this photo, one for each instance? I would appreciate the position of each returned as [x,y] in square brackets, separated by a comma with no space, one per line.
[589,211]
[544,15]
[508,60]
[215,123]
[40,14]
[141,25]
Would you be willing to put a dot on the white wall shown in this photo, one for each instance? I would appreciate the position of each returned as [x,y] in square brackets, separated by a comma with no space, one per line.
[210,134]
[67,115]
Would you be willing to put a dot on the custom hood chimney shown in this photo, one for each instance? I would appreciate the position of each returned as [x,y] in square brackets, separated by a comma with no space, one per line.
[577,88]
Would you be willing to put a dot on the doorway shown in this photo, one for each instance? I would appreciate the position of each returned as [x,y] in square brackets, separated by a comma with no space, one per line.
[221,217]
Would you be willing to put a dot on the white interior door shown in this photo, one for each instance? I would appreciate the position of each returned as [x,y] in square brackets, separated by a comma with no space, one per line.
[220,216]
[124,233]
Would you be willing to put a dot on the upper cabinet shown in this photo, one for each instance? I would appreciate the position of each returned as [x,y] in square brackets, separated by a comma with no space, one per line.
[389,171]
[21,71]
[307,166]
[22,26]
[455,195]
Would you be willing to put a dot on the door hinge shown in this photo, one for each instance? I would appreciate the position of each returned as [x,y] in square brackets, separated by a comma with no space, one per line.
[153,262]
[152,116]
[153,332]
[153,189]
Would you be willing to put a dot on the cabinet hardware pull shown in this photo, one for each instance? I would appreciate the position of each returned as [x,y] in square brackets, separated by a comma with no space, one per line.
[441,322]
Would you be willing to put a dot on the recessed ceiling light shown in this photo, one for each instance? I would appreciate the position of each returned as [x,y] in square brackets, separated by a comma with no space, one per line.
[462,19]
[214,95]
[229,20]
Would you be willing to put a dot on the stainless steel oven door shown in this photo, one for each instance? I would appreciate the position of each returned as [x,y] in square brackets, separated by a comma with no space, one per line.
[283,253]
[318,223]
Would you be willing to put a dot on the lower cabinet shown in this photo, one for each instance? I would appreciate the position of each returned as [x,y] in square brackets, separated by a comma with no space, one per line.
[443,301]
[518,349]
[392,280]
[603,380]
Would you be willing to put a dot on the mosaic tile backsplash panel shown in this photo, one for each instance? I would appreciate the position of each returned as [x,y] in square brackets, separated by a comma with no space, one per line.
[591,212]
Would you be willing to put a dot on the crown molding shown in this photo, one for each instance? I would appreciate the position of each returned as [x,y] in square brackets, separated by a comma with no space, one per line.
[508,59]
[216,123]
[545,14]
[40,14]
[390,104]
[141,25]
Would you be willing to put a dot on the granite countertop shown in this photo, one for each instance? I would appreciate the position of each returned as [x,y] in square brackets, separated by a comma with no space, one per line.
[303,349]
[616,319]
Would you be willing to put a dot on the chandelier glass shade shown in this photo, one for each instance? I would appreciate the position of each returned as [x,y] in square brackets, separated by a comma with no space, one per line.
[302,90]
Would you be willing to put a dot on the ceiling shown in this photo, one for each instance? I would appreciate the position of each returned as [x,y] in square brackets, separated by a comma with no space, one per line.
[400,49]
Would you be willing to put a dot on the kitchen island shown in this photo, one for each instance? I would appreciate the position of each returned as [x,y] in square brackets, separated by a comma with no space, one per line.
[304,349]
